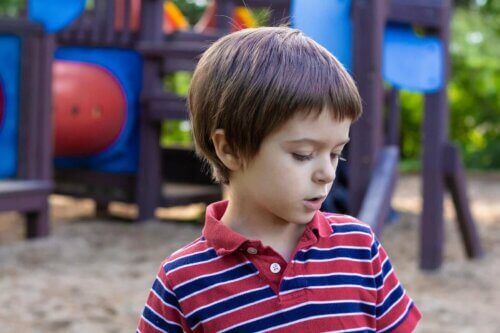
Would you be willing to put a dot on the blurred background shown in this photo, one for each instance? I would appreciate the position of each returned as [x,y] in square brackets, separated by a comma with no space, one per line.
[93,271]
[474,89]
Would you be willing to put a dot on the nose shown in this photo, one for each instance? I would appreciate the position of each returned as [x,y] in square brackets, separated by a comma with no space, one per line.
[325,171]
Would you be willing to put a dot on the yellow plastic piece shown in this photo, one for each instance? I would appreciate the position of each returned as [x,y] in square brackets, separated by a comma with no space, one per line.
[245,16]
[175,15]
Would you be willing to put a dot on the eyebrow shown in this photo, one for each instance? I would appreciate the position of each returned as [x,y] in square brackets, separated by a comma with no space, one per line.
[316,142]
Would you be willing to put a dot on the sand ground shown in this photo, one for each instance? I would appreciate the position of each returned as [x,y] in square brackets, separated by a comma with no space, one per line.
[92,275]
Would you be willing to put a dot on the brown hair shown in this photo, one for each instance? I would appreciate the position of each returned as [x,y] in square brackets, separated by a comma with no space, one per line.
[251,82]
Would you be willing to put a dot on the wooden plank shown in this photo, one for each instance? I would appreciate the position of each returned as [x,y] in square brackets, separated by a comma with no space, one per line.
[98,21]
[455,181]
[435,136]
[427,13]
[393,117]
[366,134]
[166,106]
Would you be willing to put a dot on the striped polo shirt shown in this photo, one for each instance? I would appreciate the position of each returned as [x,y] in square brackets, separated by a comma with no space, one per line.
[339,279]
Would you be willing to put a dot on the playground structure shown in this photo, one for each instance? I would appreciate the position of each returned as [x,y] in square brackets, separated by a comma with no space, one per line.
[25,163]
[385,47]
[126,163]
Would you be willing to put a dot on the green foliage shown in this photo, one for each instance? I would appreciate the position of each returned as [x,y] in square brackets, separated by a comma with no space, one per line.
[11,8]
[192,9]
[474,91]
[176,132]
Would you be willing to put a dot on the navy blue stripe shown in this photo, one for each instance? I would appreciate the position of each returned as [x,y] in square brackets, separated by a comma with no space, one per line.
[402,319]
[191,259]
[303,312]
[374,248]
[229,304]
[327,281]
[160,322]
[386,268]
[390,300]
[165,295]
[206,281]
[315,254]
[345,228]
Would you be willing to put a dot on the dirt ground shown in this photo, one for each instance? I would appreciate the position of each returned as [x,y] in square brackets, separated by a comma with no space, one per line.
[93,275]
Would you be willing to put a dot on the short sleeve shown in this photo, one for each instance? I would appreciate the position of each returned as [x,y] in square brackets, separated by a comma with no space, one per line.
[395,310]
[162,312]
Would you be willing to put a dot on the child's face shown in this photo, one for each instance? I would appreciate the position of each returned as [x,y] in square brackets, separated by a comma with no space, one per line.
[294,169]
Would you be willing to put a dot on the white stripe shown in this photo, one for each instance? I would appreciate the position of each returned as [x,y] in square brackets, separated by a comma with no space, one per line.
[317,317]
[166,304]
[290,309]
[153,325]
[166,320]
[233,310]
[211,274]
[216,285]
[169,262]
[399,318]
[331,287]
[330,274]
[324,249]
[393,304]
[330,260]
[350,233]
[225,299]
[194,264]
[352,329]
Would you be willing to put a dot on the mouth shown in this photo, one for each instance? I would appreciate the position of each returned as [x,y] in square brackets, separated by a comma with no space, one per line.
[315,199]
[314,203]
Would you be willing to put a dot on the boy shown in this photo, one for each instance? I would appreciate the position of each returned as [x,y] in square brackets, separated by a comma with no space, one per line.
[270,112]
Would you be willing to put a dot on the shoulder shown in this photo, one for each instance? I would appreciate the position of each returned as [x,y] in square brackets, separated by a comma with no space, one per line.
[193,252]
[349,227]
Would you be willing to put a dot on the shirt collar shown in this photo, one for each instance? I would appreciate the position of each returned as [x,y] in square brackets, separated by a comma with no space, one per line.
[225,241]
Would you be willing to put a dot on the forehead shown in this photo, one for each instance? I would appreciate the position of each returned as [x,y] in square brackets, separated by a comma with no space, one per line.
[321,127]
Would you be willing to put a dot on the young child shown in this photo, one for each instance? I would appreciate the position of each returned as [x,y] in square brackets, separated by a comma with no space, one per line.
[270,112]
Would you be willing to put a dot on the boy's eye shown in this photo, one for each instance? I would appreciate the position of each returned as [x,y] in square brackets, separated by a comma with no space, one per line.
[301,157]
[337,156]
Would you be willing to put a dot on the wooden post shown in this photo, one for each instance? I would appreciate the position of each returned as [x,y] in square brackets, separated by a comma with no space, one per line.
[435,136]
[368,26]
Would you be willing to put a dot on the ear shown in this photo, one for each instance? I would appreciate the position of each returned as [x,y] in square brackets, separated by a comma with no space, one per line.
[224,151]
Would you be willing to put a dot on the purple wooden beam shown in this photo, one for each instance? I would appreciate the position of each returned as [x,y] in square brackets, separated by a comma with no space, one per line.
[368,26]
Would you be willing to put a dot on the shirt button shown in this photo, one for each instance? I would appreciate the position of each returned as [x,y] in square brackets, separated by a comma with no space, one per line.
[252,250]
[275,268]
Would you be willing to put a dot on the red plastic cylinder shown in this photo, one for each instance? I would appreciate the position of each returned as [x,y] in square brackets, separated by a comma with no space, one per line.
[89,109]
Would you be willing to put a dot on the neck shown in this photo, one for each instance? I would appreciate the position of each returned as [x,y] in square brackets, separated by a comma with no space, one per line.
[255,224]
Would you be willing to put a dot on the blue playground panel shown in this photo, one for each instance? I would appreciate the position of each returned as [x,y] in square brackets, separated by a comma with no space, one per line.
[126,66]
[409,62]
[55,14]
[10,54]
[328,22]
